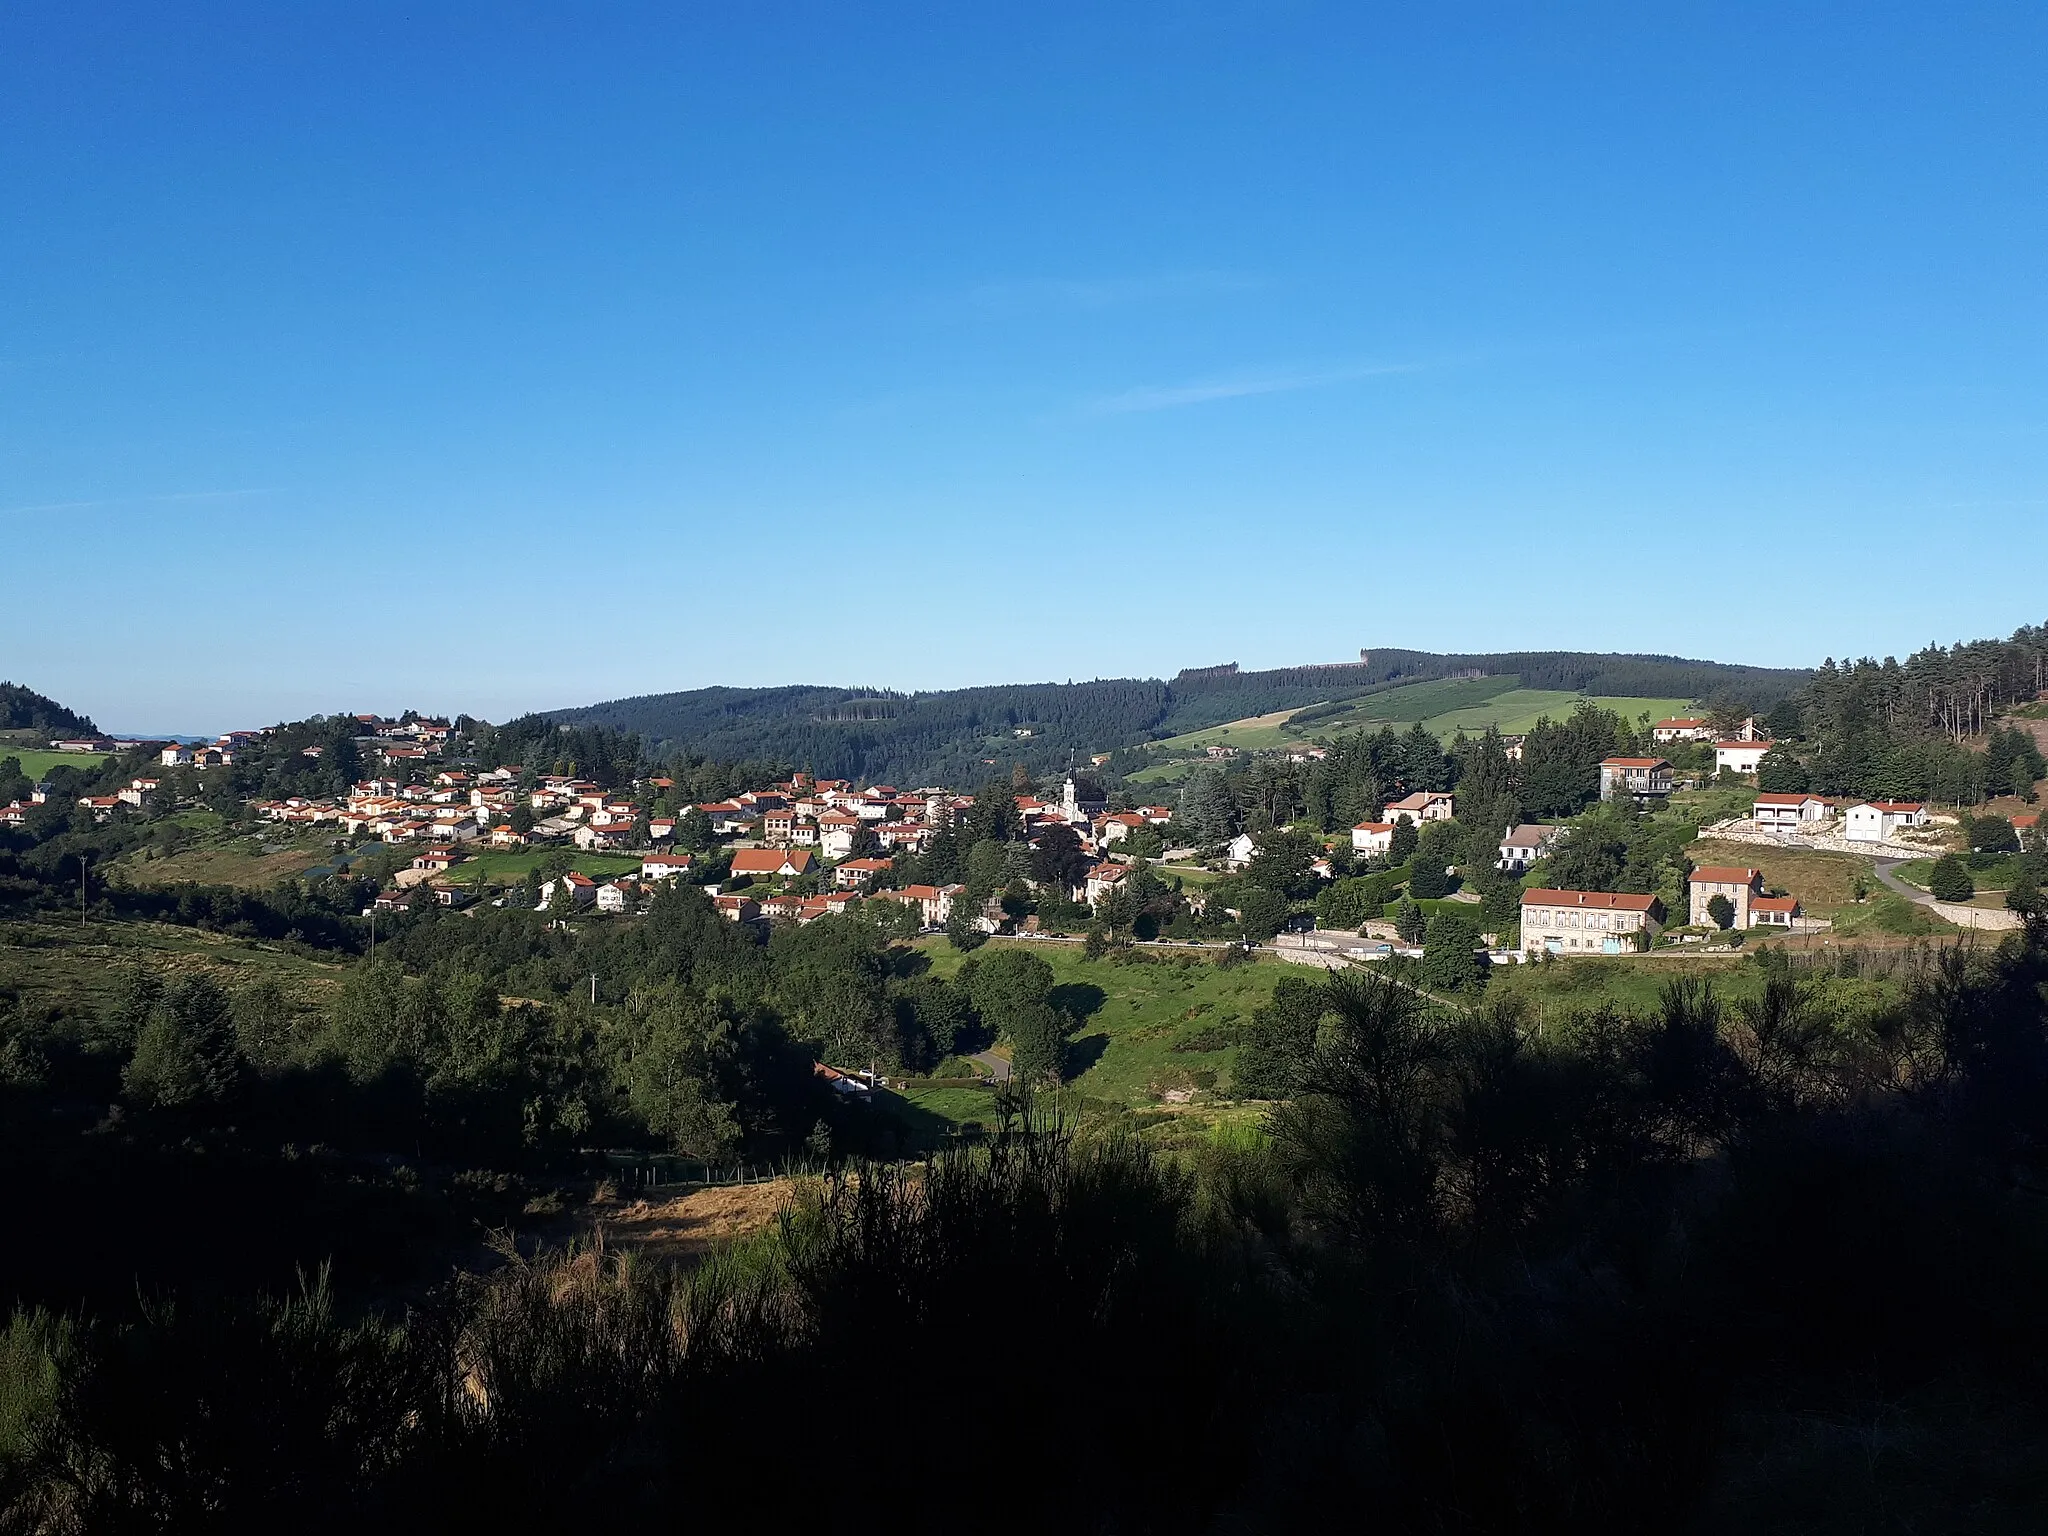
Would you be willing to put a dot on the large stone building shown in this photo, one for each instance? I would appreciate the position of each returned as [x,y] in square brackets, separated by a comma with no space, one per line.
[1588,922]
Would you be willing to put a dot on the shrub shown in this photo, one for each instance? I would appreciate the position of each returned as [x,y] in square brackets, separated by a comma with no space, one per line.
[1950,881]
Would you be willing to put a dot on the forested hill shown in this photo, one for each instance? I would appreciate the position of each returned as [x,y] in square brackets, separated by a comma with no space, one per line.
[23,709]
[950,737]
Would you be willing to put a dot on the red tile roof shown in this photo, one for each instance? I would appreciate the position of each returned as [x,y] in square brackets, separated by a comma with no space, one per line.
[1607,901]
[1725,874]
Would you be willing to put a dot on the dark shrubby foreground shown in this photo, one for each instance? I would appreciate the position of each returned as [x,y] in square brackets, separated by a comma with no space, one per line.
[1706,1270]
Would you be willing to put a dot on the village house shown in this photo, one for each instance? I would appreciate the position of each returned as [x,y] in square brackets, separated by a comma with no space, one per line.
[1597,922]
[740,909]
[1774,912]
[903,834]
[835,833]
[1790,811]
[1876,821]
[1423,805]
[772,863]
[1644,778]
[858,874]
[1740,886]
[1739,756]
[503,836]
[176,755]
[1118,825]
[616,835]
[581,888]
[1240,851]
[1523,845]
[436,861]
[935,902]
[138,792]
[1373,837]
[14,814]
[620,895]
[1157,815]
[1101,880]
[101,806]
[665,866]
[1684,728]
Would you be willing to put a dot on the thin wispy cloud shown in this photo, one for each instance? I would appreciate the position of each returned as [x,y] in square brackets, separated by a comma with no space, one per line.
[162,498]
[1167,397]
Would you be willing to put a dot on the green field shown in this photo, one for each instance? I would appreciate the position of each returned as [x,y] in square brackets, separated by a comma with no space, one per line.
[1445,707]
[1472,704]
[1135,1015]
[1251,734]
[37,763]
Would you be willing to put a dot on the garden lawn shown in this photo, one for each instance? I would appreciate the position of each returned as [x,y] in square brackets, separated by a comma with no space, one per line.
[1135,1013]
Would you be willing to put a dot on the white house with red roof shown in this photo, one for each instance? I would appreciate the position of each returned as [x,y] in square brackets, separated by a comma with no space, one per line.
[1423,805]
[858,874]
[835,833]
[1790,811]
[1875,821]
[665,866]
[581,888]
[773,863]
[1102,879]
[1683,728]
[1739,756]
[1372,837]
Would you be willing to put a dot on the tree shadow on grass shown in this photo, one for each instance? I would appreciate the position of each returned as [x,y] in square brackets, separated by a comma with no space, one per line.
[1078,1000]
[1084,1053]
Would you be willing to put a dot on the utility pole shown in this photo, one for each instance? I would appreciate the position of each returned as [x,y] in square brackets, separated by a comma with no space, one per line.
[81,887]
[593,989]
[373,932]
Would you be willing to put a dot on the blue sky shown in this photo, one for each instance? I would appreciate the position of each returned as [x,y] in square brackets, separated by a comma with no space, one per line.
[504,356]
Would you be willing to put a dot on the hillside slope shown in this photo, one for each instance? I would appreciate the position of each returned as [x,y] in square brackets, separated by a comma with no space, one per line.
[959,736]
[23,709]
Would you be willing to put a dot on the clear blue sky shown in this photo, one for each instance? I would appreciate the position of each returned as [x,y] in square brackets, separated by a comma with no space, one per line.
[497,356]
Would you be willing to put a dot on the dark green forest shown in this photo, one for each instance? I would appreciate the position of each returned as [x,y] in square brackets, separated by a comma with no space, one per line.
[23,709]
[946,737]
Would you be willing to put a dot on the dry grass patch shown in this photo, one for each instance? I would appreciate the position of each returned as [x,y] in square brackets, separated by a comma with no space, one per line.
[691,1225]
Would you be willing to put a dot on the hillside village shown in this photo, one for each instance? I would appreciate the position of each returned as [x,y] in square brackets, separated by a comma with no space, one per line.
[800,848]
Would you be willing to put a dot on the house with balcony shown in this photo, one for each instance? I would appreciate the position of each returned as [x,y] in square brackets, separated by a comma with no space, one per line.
[1646,779]
[1789,812]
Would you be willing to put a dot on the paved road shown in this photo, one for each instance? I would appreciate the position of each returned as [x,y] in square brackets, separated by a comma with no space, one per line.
[998,1068]
[1912,893]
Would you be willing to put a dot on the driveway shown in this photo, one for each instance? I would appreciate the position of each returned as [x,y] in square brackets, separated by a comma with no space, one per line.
[1890,881]
[998,1066]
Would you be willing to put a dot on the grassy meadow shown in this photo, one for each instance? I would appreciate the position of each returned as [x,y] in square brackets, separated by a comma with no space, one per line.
[1152,1027]
[36,762]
